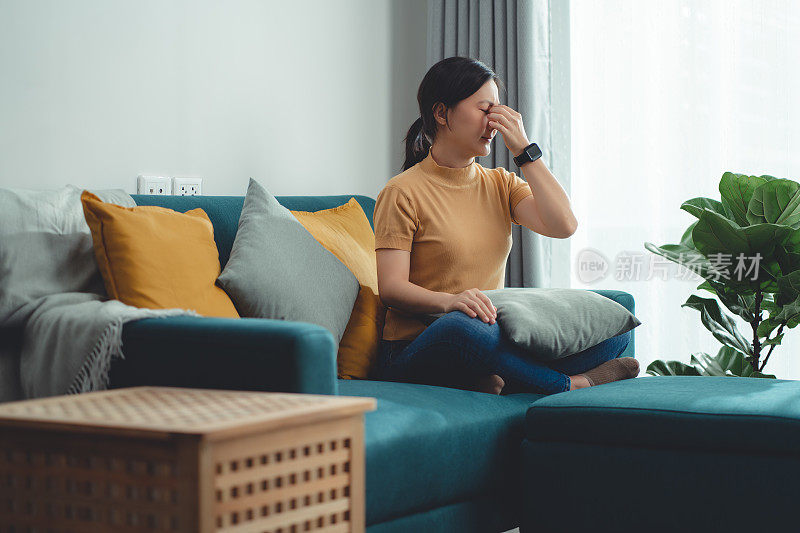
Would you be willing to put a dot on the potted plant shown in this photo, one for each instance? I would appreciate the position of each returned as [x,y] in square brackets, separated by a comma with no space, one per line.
[746,247]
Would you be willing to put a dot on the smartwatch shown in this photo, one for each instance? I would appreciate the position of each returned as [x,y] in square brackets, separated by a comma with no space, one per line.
[530,153]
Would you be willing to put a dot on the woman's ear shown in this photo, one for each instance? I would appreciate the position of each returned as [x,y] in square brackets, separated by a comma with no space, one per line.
[440,113]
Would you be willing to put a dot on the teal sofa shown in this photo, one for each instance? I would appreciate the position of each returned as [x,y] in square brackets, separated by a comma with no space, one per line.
[664,454]
[437,458]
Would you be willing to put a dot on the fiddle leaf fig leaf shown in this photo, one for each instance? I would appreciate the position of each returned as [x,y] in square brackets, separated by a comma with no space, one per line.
[776,340]
[685,256]
[671,368]
[707,365]
[776,201]
[736,191]
[733,362]
[742,305]
[788,289]
[716,234]
[718,323]
[706,285]
[696,206]
[789,314]
[686,238]
[767,326]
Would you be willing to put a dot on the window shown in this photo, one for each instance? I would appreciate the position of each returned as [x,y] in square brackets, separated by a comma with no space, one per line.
[665,97]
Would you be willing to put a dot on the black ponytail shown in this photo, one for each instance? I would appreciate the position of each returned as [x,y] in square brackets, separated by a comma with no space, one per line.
[449,81]
[417,144]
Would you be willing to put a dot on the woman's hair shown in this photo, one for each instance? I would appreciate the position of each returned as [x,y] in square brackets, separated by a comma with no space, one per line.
[449,81]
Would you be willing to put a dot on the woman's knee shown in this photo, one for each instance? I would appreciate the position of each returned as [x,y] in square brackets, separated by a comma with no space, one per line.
[457,324]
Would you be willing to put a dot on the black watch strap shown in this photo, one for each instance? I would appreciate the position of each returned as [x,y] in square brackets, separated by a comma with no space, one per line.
[532,152]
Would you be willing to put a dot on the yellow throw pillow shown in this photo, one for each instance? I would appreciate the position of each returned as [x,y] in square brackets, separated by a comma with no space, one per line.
[157,258]
[345,232]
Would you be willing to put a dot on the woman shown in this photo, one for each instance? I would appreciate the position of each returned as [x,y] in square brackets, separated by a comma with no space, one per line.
[443,234]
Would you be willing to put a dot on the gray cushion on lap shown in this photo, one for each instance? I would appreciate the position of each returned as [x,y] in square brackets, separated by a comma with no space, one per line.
[552,323]
[277,269]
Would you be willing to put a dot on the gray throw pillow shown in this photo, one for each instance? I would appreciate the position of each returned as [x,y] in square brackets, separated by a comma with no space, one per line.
[277,269]
[552,323]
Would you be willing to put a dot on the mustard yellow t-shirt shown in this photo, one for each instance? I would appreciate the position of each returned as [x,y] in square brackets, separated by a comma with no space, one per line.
[456,222]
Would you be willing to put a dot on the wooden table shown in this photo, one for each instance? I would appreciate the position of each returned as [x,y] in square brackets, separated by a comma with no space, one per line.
[175,459]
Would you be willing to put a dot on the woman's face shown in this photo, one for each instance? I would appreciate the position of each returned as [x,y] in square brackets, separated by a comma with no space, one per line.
[469,125]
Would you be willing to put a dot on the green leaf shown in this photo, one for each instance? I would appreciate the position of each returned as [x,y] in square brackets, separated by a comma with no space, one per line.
[686,238]
[787,254]
[776,201]
[733,362]
[776,340]
[707,365]
[706,285]
[789,314]
[770,306]
[788,260]
[767,326]
[788,288]
[741,304]
[735,299]
[695,206]
[724,241]
[736,364]
[670,368]
[718,323]
[683,255]
[736,191]
[727,363]
[716,234]
[769,273]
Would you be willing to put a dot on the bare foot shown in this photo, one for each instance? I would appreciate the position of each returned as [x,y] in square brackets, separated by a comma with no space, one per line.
[491,384]
[578,382]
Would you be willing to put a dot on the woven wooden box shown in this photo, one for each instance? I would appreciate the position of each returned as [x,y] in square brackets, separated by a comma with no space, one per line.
[173,459]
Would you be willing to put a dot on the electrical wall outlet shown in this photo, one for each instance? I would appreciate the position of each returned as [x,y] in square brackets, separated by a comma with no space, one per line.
[187,186]
[154,185]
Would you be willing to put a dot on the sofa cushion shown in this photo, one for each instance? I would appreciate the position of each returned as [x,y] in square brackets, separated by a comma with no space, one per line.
[455,443]
[157,258]
[698,412]
[553,323]
[278,270]
[345,232]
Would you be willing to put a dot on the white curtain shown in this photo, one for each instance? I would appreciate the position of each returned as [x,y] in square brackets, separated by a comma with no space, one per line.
[666,96]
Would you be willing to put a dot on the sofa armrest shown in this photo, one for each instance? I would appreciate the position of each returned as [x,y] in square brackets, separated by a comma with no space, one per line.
[625,299]
[227,353]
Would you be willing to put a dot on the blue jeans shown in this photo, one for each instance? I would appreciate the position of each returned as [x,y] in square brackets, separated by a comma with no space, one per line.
[456,348]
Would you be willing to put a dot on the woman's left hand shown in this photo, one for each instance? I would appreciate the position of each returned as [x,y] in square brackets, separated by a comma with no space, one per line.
[508,122]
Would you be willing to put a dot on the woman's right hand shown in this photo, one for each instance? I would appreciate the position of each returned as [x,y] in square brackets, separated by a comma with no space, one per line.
[474,303]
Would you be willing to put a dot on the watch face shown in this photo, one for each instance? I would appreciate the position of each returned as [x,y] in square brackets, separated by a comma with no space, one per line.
[531,153]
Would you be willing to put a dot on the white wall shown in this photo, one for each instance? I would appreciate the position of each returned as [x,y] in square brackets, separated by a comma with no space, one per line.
[308,97]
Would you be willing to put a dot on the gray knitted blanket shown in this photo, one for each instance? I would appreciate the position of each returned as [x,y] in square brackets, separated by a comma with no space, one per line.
[52,291]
